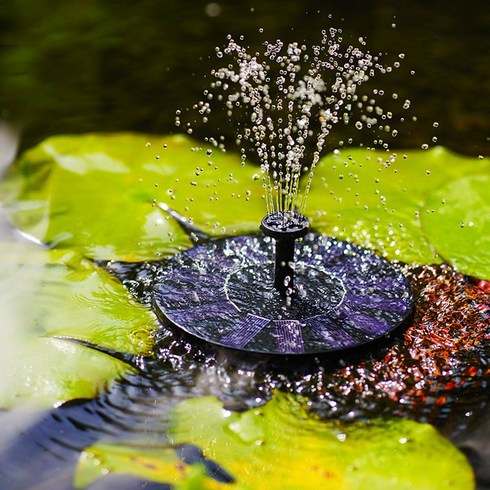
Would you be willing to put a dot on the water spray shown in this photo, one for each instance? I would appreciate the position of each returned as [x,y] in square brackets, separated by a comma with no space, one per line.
[273,293]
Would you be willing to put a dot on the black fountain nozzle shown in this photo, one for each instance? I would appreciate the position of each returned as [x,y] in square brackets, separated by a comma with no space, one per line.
[285,227]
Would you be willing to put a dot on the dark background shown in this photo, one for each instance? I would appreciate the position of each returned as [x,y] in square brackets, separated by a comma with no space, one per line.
[107,65]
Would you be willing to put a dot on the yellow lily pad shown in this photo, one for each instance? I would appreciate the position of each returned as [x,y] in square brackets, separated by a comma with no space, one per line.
[282,446]
[98,193]
[49,294]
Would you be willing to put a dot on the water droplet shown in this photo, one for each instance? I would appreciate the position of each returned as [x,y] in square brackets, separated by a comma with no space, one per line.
[212,9]
[323,80]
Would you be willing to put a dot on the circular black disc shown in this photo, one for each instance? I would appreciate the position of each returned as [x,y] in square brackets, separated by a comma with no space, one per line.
[222,292]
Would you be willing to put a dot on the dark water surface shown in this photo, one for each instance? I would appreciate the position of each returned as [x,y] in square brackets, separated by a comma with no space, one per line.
[111,65]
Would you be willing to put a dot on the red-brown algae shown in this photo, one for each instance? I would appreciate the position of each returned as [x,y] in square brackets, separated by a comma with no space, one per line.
[441,354]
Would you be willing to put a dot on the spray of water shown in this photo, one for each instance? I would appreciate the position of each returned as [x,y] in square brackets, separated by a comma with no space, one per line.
[287,99]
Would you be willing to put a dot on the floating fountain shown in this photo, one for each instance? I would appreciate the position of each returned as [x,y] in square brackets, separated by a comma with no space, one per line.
[262,293]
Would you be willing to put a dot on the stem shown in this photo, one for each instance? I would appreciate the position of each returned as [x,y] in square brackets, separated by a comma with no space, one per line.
[285,228]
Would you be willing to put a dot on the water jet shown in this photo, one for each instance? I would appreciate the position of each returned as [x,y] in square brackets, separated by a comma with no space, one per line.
[288,291]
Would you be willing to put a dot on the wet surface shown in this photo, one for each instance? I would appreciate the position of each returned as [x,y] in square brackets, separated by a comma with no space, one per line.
[223,292]
[435,370]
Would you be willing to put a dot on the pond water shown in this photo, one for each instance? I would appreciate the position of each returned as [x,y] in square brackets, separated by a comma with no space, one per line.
[129,66]
[120,66]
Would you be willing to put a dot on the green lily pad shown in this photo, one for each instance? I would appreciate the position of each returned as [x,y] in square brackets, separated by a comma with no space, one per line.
[45,294]
[282,446]
[152,463]
[456,220]
[375,198]
[97,193]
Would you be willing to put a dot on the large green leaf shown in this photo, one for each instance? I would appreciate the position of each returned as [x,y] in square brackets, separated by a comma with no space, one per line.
[457,222]
[45,294]
[153,463]
[282,446]
[97,193]
[376,198]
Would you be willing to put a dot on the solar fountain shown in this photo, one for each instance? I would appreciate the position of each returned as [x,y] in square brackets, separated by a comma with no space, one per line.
[278,294]
[289,290]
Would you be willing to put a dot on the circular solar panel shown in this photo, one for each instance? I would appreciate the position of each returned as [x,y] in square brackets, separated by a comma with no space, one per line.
[223,292]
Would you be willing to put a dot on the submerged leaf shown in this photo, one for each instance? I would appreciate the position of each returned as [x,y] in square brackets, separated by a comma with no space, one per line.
[46,294]
[158,464]
[375,198]
[281,445]
[98,193]
[456,220]
[435,369]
